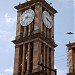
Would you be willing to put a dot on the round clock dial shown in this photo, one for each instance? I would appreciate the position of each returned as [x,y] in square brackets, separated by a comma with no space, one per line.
[47,19]
[27,17]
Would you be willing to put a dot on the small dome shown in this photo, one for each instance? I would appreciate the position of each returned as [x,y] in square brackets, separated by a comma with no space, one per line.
[28,0]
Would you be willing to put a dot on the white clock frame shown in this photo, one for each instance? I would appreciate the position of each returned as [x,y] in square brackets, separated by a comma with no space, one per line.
[27,17]
[47,19]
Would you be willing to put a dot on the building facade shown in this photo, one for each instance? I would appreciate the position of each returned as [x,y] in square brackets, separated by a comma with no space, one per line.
[71,58]
[34,42]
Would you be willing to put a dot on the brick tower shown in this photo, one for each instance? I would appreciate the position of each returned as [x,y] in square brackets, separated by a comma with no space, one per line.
[34,42]
[71,58]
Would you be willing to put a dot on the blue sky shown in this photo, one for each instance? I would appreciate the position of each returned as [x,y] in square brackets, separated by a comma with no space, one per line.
[64,22]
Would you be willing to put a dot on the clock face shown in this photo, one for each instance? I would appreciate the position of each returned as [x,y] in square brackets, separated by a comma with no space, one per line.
[27,17]
[47,19]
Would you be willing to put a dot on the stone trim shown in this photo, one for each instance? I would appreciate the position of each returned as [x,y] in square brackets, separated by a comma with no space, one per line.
[35,37]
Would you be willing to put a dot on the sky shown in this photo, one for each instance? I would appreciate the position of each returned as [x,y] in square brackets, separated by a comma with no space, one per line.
[64,22]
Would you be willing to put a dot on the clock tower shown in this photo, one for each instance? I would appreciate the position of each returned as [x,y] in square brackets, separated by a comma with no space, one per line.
[71,58]
[34,41]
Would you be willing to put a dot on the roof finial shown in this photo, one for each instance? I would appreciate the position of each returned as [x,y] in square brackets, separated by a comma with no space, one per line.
[19,3]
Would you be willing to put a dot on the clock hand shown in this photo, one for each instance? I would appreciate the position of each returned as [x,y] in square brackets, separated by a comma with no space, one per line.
[28,17]
[48,20]
[25,18]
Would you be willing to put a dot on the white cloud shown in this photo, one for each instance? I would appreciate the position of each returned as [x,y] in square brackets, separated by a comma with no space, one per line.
[65,4]
[12,37]
[4,34]
[10,71]
[9,19]
[60,72]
